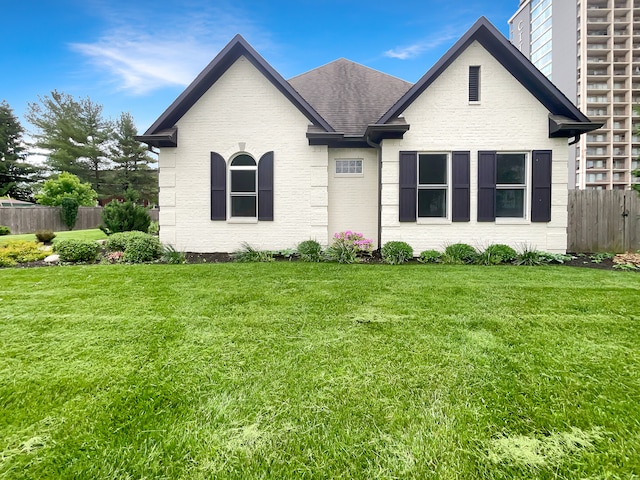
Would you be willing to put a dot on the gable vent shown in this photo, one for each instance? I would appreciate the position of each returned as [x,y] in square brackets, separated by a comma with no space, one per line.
[474,84]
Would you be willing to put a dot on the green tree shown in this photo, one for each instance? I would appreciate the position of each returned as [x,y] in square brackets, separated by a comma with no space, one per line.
[132,161]
[66,185]
[16,176]
[74,133]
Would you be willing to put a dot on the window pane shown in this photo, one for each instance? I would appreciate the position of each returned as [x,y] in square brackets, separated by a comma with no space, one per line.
[243,206]
[243,161]
[432,203]
[243,181]
[432,169]
[510,202]
[510,168]
[349,166]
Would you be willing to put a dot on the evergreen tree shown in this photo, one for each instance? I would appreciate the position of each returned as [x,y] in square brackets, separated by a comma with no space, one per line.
[16,176]
[131,161]
[74,133]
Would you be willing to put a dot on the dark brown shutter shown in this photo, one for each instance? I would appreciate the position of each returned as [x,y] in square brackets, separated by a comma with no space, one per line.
[265,187]
[218,187]
[541,186]
[408,186]
[486,186]
[474,84]
[461,182]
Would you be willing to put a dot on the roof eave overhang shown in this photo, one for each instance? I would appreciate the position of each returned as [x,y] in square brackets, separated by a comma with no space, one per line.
[374,133]
[563,127]
[164,138]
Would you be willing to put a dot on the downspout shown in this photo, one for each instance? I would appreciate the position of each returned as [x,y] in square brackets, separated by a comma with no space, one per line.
[378,147]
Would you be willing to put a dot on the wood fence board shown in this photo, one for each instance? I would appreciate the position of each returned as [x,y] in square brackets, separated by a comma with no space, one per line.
[30,219]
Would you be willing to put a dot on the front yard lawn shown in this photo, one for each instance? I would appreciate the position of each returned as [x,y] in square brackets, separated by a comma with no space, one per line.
[294,371]
[91,234]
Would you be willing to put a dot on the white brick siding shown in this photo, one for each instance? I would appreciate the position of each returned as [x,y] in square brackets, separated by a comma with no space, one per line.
[242,107]
[508,118]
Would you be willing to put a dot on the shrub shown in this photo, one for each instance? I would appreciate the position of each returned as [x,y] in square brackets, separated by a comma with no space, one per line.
[45,236]
[117,242]
[20,251]
[395,253]
[125,216]
[459,253]
[142,248]
[247,253]
[154,228]
[430,256]
[310,251]
[4,230]
[76,251]
[69,211]
[172,256]
[496,254]
[348,246]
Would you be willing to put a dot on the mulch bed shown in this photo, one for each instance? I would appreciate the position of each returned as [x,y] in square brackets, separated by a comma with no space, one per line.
[201,258]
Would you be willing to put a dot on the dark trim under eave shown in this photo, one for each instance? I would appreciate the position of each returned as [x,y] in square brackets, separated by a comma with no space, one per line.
[562,127]
[165,138]
[374,133]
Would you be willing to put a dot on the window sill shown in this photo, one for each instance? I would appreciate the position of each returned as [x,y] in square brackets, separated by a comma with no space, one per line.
[433,221]
[512,221]
[475,103]
[242,220]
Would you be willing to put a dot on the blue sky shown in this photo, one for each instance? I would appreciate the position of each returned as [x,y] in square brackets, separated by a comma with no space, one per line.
[138,55]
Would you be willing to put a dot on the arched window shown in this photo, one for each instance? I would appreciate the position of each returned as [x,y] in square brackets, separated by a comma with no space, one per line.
[243,192]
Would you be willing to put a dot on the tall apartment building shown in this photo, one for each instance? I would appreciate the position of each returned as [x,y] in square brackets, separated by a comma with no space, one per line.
[591,50]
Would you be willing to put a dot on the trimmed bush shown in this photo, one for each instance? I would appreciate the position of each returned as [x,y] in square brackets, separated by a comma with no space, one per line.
[430,256]
[76,251]
[459,253]
[5,230]
[137,246]
[142,248]
[310,251]
[395,253]
[496,254]
[20,251]
[45,236]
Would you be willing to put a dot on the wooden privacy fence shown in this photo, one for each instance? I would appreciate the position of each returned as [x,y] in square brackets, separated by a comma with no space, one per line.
[603,221]
[30,219]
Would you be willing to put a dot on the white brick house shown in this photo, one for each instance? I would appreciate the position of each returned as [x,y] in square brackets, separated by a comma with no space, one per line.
[474,152]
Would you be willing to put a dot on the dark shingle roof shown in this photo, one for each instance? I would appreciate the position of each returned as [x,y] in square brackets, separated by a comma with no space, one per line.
[348,95]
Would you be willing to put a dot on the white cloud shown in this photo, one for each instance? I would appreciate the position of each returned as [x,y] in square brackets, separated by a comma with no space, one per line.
[421,47]
[138,62]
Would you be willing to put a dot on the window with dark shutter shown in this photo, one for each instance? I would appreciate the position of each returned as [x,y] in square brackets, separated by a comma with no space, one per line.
[408,186]
[541,186]
[461,184]
[218,187]
[474,84]
[265,187]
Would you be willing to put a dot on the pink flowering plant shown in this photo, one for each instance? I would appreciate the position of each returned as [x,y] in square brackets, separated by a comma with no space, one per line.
[349,247]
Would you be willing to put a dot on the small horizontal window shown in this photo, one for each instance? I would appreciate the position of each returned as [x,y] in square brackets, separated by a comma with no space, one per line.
[349,167]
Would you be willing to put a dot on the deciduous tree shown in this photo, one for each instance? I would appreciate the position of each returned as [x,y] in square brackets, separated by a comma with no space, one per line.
[66,185]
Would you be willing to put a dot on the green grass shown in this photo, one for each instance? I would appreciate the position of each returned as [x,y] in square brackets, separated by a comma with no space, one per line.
[92,234]
[296,371]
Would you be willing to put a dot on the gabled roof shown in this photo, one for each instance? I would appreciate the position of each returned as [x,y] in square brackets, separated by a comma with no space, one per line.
[511,59]
[348,95]
[163,130]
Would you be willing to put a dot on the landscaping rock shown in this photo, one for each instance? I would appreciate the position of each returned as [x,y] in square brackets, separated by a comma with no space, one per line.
[52,258]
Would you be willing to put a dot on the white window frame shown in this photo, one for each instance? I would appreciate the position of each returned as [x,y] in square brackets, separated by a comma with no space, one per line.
[435,186]
[526,187]
[231,194]
[359,166]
